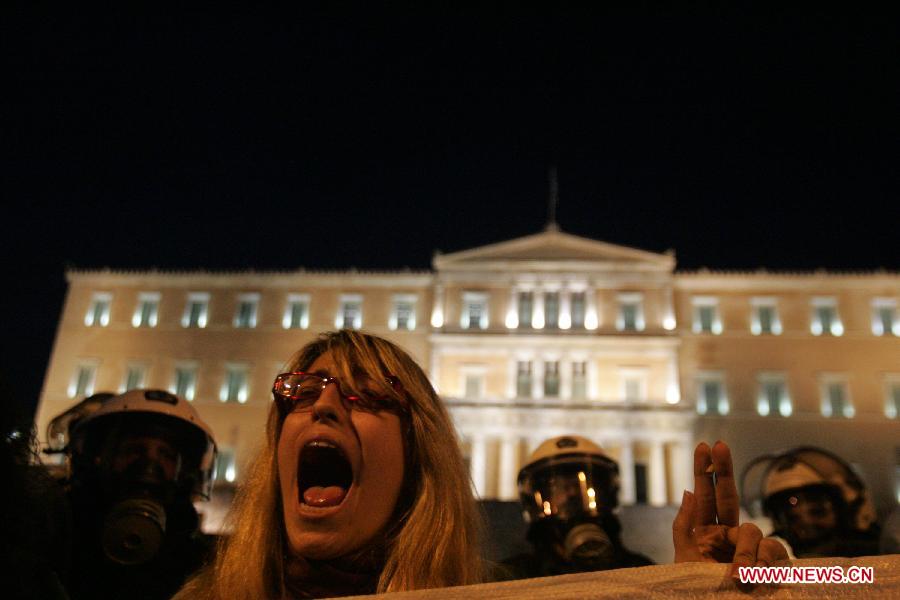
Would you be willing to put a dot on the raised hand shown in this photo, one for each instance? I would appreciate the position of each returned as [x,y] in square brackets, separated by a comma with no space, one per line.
[707,527]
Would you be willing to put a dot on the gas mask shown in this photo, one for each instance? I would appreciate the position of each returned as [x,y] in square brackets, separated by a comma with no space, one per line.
[568,492]
[141,483]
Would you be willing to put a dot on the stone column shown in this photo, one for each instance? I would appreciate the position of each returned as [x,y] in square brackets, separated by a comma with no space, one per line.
[537,317]
[683,466]
[537,378]
[673,390]
[668,309]
[437,311]
[507,484]
[565,308]
[512,372]
[478,465]
[591,311]
[657,475]
[626,472]
[565,379]
[512,309]
[435,369]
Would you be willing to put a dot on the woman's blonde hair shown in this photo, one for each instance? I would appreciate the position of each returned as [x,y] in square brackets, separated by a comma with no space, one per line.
[435,544]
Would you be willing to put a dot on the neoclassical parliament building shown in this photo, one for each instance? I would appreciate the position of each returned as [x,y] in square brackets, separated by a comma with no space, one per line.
[525,339]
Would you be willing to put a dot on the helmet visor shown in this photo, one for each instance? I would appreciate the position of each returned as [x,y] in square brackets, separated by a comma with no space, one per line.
[808,512]
[569,488]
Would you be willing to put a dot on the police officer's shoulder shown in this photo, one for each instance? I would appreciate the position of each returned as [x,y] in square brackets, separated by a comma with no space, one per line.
[633,559]
[520,566]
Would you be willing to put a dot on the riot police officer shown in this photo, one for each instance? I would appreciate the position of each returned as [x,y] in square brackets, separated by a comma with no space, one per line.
[569,492]
[817,504]
[137,461]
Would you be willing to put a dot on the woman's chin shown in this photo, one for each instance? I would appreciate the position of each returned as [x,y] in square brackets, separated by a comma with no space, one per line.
[322,532]
[325,545]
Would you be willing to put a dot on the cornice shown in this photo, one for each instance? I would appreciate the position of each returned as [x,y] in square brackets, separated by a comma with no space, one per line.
[800,280]
[250,278]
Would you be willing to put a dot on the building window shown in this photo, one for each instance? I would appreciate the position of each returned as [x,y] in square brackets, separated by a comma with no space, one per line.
[764,318]
[403,313]
[551,379]
[234,387]
[196,310]
[711,396]
[184,384]
[526,309]
[225,467]
[628,317]
[82,382]
[551,310]
[772,396]
[578,304]
[633,384]
[892,397]
[631,313]
[473,381]
[245,313]
[836,401]
[349,312]
[134,377]
[579,379]
[523,379]
[825,318]
[474,385]
[884,317]
[147,310]
[474,311]
[296,312]
[706,315]
[632,389]
[98,311]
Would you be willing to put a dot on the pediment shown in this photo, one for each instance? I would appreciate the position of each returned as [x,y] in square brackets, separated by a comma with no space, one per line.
[553,246]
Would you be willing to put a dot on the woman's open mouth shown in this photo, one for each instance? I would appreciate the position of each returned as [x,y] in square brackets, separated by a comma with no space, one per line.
[324,475]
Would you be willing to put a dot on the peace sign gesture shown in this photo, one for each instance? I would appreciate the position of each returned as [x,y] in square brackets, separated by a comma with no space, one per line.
[706,527]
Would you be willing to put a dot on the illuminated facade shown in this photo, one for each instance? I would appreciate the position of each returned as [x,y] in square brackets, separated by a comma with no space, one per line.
[526,339]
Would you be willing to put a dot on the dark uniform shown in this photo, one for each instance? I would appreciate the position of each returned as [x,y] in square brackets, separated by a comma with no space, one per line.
[94,575]
[138,460]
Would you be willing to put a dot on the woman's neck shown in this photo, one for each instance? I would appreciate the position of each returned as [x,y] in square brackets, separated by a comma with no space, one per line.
[354,574]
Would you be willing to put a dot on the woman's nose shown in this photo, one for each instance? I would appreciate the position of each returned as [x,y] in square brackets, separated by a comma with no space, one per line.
[329,404]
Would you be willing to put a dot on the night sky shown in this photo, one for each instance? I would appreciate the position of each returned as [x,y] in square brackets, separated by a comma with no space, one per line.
[369,139]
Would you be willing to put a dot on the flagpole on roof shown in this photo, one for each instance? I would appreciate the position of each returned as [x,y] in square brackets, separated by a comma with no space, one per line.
[552,201]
